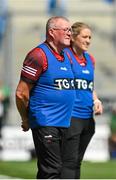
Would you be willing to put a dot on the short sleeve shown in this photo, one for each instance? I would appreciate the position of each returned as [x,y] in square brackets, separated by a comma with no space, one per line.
[34,64]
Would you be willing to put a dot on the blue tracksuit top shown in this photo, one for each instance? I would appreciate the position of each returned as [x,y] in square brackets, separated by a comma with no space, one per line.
[52,98]
[84,82]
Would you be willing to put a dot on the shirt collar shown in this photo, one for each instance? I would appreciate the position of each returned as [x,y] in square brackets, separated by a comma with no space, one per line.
[60,56]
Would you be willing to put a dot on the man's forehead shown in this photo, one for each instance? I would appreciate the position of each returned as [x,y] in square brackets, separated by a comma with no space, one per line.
[62,22]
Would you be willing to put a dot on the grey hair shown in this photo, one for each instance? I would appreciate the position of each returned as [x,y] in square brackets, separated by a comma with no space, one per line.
[51,23]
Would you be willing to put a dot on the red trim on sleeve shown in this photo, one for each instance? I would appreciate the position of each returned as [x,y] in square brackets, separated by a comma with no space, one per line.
[34,64]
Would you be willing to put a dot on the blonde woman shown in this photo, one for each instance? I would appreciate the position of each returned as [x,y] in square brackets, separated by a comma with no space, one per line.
[82,126]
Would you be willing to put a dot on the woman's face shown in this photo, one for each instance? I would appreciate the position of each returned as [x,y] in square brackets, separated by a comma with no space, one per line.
[82,40]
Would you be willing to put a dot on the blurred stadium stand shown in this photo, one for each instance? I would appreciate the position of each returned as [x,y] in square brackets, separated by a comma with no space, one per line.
[26,28]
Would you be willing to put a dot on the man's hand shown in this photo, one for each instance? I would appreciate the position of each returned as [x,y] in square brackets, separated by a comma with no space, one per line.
[98,108]
[25,125]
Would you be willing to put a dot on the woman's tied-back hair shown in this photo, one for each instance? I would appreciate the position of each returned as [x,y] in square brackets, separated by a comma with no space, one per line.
[78,26]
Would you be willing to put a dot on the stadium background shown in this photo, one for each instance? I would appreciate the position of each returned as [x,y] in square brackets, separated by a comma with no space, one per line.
[25,29]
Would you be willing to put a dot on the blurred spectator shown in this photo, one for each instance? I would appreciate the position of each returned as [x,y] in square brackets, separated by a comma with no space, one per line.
[3,19]
[112,139]
[57,7]
[109,1]
[4,105]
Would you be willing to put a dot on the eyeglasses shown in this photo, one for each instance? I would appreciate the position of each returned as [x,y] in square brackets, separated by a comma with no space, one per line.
[67,30]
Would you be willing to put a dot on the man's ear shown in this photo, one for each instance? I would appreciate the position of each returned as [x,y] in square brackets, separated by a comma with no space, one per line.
[51,32]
